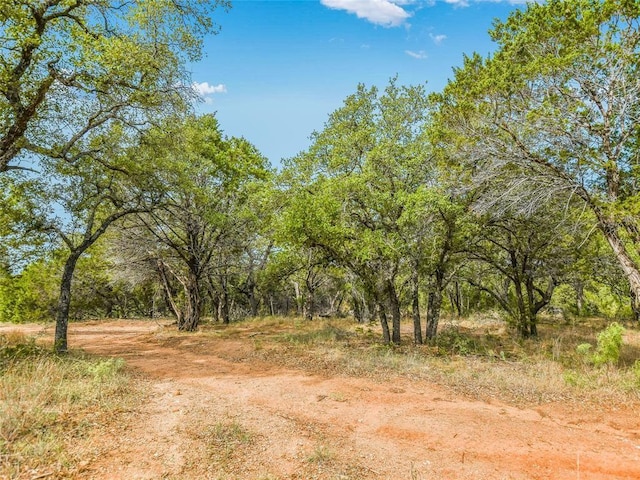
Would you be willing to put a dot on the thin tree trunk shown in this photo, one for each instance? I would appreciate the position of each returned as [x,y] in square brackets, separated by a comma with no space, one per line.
[299,300]
[308,308]
[579,288]
[434,305]
[254,301]
[64,302]
[168,291]
[394,305]
[415,306]
[358,308]
[386,334]
[224,301]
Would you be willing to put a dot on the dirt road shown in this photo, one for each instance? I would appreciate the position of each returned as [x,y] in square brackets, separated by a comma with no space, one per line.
[217,411]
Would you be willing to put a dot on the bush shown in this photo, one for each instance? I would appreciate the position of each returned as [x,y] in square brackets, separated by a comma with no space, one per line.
[609,345]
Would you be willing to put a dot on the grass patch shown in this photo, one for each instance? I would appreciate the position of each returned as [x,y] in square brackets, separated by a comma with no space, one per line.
[476,357]
[50,403]
[321,455]
[328,333]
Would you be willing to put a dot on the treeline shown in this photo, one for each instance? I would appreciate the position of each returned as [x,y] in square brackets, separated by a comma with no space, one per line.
[515,188]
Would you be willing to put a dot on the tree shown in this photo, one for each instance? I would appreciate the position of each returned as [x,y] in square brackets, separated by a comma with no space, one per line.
[71,68]
[81,200]
[192,236]
[522,259]
[361,189]
[558,105]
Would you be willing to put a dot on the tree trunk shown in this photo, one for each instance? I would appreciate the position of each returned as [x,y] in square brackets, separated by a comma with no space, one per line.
[635,305]
[394,305]
[168,291]
[382,313]
[254,301]
[358,308]
[434,305]
[629,267]
[193,307]
[579,288]
[308,308]
[456,298]
[299,299]
[415,308]
[64,302]
[224,301]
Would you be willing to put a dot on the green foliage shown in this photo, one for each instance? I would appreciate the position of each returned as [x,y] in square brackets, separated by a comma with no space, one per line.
[584,349]
[30,296]
[530,119]
[451,341]
[105,370]
[92,65]
[608,349]
[601,300]
[609,345]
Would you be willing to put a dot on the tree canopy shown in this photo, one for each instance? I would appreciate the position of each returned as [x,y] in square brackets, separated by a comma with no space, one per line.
[501,192]
[71,68]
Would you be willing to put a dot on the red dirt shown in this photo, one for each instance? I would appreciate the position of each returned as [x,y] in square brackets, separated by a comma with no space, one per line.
[303,426]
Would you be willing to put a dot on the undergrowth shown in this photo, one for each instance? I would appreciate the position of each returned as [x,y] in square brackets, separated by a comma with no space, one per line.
[50,403]
[473,361]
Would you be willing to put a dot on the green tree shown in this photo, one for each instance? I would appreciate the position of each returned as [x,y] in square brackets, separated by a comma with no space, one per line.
[81,200]
[523,258]
[71,68]
[368,194]
[557,105]
[192,237]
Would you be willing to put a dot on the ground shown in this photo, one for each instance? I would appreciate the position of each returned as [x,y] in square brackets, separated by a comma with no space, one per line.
[216,410]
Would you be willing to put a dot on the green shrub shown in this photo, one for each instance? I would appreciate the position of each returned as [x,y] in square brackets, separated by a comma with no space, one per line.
[452,341]
[609,345]
[584,349]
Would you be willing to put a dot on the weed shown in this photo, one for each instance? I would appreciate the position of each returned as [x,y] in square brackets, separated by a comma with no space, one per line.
[328,333]
[321,455]
[225,439]
[451,341]
[338,397]
[105,370]
[609,345]
[584,351]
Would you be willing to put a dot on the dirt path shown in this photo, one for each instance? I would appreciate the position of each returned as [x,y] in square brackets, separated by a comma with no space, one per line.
[217,412]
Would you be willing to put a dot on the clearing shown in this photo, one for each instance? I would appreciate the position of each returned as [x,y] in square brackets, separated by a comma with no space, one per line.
[216,408]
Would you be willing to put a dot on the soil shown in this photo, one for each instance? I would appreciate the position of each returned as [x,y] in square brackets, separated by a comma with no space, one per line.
[215,410]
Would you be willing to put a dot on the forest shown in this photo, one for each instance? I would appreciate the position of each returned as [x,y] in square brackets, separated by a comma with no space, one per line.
[515,189]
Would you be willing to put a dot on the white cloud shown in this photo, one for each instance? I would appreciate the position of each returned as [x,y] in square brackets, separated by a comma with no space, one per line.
[437,39]
[466,3]
[421,55]
[205,89]
[387,13]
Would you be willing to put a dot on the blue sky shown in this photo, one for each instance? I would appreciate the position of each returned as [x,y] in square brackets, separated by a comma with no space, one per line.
[279,68]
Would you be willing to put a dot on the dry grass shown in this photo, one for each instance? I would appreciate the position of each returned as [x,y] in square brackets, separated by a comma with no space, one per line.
[49,406]
[477,357]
